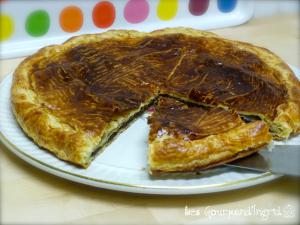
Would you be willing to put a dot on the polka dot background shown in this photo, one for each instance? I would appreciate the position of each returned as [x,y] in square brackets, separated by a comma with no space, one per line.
[103,15]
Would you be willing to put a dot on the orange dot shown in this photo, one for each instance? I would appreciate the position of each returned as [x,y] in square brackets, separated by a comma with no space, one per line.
[71,19]
[104,14]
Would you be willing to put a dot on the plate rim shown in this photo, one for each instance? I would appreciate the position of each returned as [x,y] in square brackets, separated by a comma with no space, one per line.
[231,185]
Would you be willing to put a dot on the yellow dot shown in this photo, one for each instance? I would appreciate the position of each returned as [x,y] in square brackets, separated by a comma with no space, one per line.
[7,27]
[167,9]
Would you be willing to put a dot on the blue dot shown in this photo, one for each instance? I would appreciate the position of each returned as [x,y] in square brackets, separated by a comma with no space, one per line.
[226,5]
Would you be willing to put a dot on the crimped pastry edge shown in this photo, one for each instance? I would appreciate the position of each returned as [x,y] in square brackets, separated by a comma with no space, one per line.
[162,159]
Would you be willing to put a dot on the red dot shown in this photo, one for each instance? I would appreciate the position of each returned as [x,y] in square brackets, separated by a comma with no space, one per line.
[104,14]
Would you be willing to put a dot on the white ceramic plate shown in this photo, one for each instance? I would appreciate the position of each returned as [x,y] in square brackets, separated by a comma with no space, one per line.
[123,164]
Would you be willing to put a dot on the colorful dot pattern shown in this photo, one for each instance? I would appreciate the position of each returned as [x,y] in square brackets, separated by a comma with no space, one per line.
[197,7]
[71,19]
[7,27]
[103,15]
[167,9]
[226,5]
[37,23]
[136,11]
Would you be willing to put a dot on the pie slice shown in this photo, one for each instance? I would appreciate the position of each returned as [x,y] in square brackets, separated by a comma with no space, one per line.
[188,138]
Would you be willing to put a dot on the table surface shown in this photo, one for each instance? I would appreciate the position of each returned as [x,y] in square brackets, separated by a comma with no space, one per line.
[31,196]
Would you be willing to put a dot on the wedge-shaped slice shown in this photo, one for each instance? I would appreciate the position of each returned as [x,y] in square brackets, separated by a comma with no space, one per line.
[187,138]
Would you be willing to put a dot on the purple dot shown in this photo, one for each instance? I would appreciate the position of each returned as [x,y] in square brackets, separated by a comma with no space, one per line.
[136,11]
[198,7]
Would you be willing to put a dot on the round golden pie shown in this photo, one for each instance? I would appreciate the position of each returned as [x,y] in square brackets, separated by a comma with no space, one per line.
[73,98]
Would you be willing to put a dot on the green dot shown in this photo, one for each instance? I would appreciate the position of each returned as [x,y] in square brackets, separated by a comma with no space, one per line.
[37,23]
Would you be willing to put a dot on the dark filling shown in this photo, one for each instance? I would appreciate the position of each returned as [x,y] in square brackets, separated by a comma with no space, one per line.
[249,118]
[114,134]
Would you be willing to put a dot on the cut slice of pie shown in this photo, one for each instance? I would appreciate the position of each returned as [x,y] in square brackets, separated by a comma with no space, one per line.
[188,138]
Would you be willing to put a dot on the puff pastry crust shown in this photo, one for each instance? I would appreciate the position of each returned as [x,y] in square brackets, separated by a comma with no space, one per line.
[72,98]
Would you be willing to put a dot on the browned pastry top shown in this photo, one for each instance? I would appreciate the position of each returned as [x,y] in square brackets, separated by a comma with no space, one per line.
[193,122]
[97,82]
[90,84]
